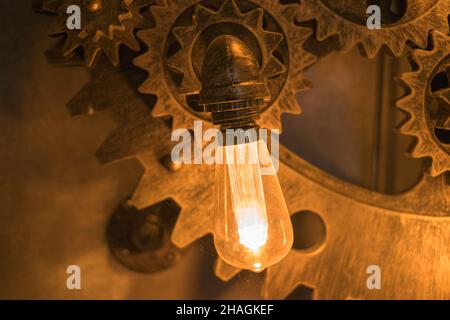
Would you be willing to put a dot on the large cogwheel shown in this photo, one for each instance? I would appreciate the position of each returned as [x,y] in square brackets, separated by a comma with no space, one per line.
[402,21]
[428,104]
[179,40]
[105,25]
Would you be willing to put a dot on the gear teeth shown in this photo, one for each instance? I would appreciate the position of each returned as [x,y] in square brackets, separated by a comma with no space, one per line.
[169,103]
[90,55]
[395,36]
[271,118]
[152,187]
[181,122]
[230,9]
[159,110]
[188,84]
[288,102]
[298,58]
[70,45]
[136,131]
[106,38]
[409,127]
[325,31]
[418,124]
[272,40]
[59,27]
[54,57]
[202,14]
[178,60]
[444,95]
[128,39]
[447,124]
[405,103]
[194,223]
[279,283]
[288,11]
[113,56]
[420,150]
[273,68]
[184,35]
[397,48]
[254,18]
[79,104]
[152,61]
[224,271]
[440,166]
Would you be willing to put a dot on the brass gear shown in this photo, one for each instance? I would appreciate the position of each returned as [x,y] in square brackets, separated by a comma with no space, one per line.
[346,19]
[285,78]
[428,110]
[105,26]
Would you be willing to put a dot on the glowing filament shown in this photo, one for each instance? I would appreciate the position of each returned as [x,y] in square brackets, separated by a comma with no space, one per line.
[247,195]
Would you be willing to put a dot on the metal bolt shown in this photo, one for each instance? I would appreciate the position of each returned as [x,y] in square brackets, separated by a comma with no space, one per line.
[94,6]
[171,165]
[148,234]
[170,256]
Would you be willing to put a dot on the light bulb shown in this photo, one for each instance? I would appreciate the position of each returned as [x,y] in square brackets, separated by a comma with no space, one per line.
[252,227]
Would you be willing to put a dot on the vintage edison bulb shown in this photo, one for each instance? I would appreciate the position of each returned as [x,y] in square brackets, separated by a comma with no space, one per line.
[252,226]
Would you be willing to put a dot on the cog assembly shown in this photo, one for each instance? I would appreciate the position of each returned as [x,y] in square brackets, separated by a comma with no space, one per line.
[177,42]
[428,103]
[402,21]
[105,26]
[183,30]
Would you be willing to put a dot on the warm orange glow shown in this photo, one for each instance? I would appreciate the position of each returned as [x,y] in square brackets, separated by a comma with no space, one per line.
[252,224]
[247,194]
[252,227]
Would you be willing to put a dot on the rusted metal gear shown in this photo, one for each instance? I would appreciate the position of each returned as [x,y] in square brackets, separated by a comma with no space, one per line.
[402,21]
[428,104]
[179,39]
[105,25]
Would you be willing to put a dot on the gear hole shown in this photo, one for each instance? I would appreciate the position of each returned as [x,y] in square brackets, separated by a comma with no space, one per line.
[309,230]
[287,2]
[392,11]
[443,135]
[301,292]
[146,14]
[440,81]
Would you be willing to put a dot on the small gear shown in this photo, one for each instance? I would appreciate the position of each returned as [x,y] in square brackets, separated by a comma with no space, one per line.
[402,21]
[180,37]
[429,106]
[105,26]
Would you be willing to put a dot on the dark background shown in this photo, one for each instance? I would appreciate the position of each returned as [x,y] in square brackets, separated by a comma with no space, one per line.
[56,199]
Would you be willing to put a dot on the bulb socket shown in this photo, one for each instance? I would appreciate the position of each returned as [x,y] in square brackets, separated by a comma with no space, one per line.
[233,89]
